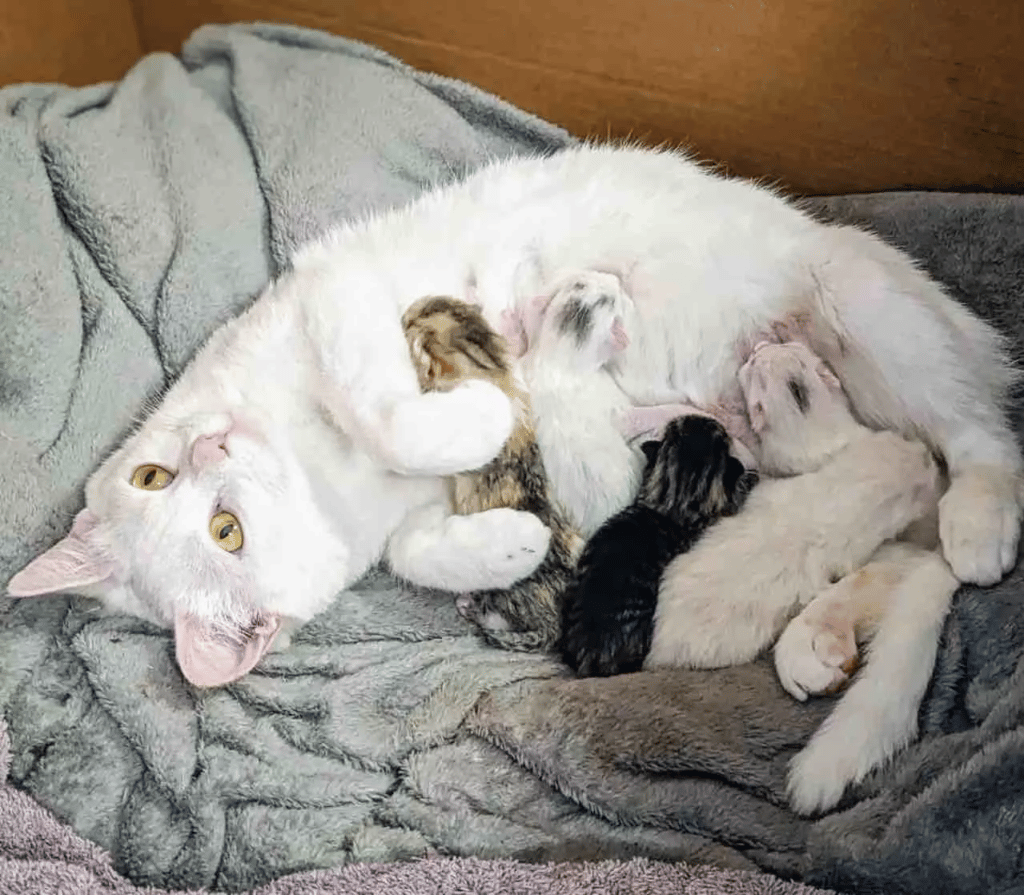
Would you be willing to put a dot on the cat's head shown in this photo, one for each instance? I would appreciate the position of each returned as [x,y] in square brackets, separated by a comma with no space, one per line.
[797,408]
[691,472]
[206,527]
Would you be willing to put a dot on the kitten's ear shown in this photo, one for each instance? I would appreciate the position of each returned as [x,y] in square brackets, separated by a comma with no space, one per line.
[650,449]
[212,656]
[74,563]
[826,375]
[618,338]
[758,418]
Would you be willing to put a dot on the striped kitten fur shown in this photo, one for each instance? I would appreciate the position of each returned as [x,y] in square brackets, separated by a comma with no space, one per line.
[450,342]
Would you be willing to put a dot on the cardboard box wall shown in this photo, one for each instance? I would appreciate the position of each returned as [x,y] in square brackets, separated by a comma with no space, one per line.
[824,96]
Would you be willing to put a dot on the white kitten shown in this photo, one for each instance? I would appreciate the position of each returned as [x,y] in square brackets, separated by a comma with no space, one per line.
[576,403]
[320,445]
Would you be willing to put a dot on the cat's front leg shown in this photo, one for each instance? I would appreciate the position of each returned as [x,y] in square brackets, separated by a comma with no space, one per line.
[366,383]
[489,550]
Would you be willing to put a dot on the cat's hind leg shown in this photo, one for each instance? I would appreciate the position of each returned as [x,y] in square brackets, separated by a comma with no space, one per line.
[877,716]
[368,385]
[912,359]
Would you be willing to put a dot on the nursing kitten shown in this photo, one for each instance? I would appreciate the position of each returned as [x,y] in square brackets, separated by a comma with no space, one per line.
[574,331]
[306,407]
[690,481]
[809,538]
[450,343]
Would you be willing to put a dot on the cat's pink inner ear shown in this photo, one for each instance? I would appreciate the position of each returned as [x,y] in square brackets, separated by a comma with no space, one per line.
[74,562]
[211,655]
[532,316]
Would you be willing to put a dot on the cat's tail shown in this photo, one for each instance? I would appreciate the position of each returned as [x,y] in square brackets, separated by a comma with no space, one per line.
[877,717]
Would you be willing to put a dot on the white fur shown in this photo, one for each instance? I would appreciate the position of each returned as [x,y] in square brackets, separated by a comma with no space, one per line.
[904,593]
[342,445]
[727,598]
[730,596]
[577,405]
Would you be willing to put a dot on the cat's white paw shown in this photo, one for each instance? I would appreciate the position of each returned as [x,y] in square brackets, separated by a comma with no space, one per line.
[500,546]
[443,433]
[979,524]
[819,774]
[815,656]
[483,551]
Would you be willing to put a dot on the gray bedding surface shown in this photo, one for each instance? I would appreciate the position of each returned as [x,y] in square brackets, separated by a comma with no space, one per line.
[140,215]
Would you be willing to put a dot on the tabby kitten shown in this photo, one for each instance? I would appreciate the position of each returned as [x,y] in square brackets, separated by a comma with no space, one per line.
[691,480]
[450,343]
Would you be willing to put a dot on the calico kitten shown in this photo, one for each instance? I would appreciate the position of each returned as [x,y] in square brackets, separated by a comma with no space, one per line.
[691,480]
[450,343]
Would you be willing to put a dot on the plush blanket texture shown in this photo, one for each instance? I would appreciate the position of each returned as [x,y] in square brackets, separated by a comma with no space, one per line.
[138,216]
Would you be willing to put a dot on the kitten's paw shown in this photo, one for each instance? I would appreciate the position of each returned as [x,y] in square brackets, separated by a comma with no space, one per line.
[443,433]
[815,656]
[979,524]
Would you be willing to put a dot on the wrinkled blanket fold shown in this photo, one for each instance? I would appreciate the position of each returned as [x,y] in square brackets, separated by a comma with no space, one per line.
[140,215]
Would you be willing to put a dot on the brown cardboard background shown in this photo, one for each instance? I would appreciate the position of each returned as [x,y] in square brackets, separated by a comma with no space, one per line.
[66,41]
[823,95]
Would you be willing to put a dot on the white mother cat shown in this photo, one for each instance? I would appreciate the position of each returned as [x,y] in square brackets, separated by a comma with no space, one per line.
[297,445]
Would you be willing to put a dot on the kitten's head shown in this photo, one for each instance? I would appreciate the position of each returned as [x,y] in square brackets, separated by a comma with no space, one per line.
[580,321]
[206,527]
[691,473]
[797,408]
[450,342]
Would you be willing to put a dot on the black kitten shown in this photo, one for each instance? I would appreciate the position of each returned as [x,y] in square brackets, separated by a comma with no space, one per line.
[690,481]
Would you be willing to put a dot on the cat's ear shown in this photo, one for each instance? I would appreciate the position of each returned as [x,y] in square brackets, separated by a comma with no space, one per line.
[618,338]
[76,563]
[210,655]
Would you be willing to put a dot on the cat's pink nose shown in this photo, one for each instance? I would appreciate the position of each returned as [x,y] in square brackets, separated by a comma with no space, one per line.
[209,449]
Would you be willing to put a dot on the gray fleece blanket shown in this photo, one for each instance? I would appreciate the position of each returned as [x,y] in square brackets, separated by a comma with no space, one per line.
[137,217]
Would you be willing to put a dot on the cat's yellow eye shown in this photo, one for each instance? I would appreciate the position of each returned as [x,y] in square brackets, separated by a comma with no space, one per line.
[151,477]
[226,531]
